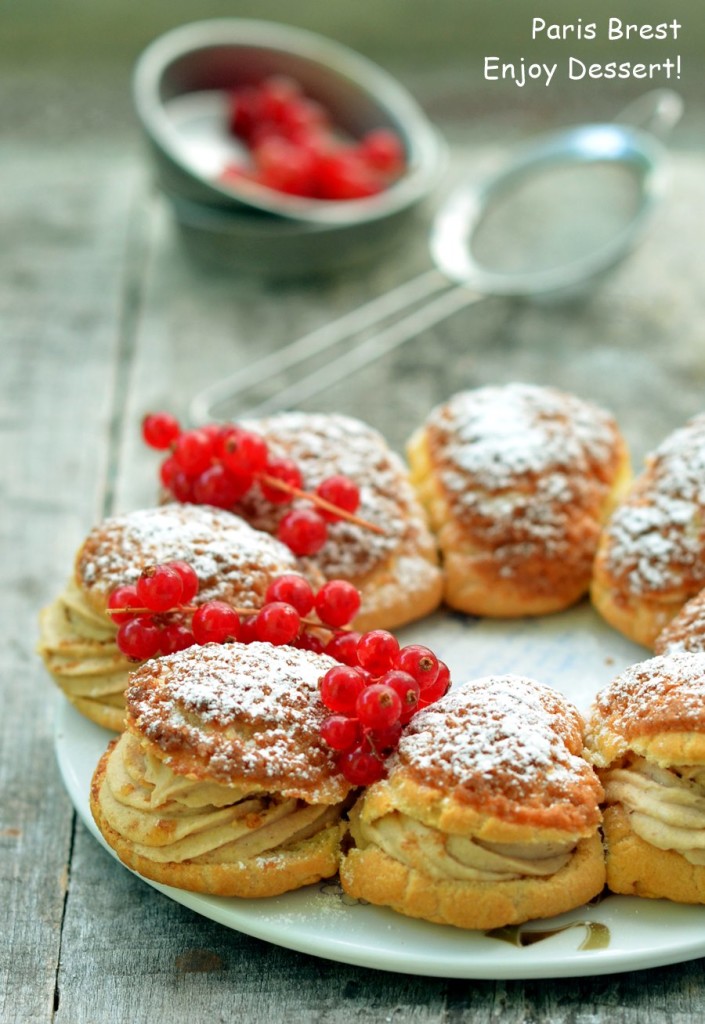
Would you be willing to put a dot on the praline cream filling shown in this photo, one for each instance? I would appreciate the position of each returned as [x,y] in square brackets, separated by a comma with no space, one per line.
[169,818]
[443,856]
[666,806]
[79,649]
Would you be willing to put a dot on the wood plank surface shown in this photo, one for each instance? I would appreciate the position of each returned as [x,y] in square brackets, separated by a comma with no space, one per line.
[104,316]
[61,285]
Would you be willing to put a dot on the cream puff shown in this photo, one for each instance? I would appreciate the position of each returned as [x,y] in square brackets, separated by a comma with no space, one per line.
[647,739]
[488,816]
[517,480]
[651,558]
[234,563]
[221,783]
[686,631]
[396,570]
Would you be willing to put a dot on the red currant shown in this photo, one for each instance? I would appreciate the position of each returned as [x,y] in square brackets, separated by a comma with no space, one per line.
[193,450]
[160,430]
[176,637]
[160,588]
[419,662]
[360,767]
[301,121]
[344,175]
[215,622]
[377,651]
[124,597]
[244,110]
[277,623]
[247,630]
[216,486]
[181,485]
[439,687]
[383,149]
[289,474]
[303,531]
[189,580]
[310,642]
[340,687]
[337,603]
[407,688]
[378,706]
[243,452]
[292,589]
[340,732]
[276,93]
[384,741]
[284,166]
[343,647]
[167,471]
[340,491]
[139,638]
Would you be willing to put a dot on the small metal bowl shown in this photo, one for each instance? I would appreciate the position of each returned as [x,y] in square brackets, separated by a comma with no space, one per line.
[181,83]
[285,249]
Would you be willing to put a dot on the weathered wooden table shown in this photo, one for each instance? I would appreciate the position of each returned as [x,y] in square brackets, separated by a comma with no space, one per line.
[105,317]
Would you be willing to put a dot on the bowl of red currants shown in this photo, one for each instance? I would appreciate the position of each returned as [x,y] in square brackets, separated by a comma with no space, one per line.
[264,136]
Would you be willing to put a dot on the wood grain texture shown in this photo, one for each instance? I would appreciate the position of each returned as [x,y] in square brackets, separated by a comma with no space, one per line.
[60,295]
[105,317]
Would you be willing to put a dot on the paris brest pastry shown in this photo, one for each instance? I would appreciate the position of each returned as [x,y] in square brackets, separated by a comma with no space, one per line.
[395,571]
[651,558]
[221,783]
[517,481]
[686,631]
[647,739]
[488,816]
[234,563]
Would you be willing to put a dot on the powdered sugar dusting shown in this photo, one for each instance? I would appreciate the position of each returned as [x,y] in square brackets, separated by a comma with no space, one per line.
[662,694]
[521,462]
[240,712]
[655,541]
[233,561]
[686,632]
[503,742]
[325,445]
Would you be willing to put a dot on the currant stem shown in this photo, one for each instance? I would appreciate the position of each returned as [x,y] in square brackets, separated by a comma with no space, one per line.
[190,608]
[315,499]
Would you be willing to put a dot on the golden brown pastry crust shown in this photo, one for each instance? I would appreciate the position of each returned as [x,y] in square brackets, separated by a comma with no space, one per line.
[517,481]
[268,875]
[651,557]
[396,571]
[234,563]
[636,868]
[247,719]
[496,761]
[686,631]
[239,714]
[656,709]
[372,875]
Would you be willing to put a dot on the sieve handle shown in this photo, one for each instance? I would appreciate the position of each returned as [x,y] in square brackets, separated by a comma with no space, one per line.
[230,391]
[657,112]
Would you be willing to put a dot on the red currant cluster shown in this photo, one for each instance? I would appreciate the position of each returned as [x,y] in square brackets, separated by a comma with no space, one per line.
[373,696]
[296,149]
[153,615]
[218,465]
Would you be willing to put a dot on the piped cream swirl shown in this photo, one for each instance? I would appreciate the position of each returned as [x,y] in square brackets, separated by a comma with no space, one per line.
[168,818]
[441,855]
[666,806]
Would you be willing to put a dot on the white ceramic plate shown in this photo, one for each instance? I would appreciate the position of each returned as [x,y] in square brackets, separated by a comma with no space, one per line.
[574,652]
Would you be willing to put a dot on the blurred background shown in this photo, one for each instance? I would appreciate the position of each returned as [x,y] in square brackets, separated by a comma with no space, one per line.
[79,213]
[66,63]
